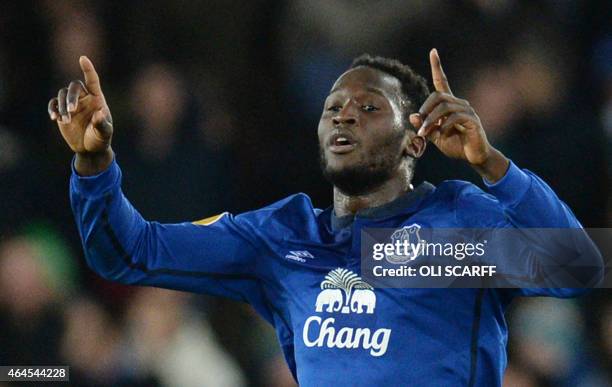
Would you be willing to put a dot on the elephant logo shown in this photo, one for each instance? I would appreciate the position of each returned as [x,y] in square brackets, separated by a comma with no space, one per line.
[345,292]
[331,298]
[363,298]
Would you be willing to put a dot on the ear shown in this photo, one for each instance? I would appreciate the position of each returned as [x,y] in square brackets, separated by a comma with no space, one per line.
[414,145]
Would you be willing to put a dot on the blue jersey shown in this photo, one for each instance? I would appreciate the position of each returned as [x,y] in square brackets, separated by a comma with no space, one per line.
[279,258]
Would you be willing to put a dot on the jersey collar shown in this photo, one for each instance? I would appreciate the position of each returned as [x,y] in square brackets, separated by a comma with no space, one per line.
[407,202]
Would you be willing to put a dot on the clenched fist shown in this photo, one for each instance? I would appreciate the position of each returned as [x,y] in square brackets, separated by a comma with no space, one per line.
[85,121]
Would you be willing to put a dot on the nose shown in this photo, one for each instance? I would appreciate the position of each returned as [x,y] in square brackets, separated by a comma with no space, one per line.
[344,120]
[346,116]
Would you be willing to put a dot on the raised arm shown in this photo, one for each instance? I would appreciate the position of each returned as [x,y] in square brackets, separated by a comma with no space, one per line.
[218,256]
[526,201]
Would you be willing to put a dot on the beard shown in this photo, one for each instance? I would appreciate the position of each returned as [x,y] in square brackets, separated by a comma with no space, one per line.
[374,168]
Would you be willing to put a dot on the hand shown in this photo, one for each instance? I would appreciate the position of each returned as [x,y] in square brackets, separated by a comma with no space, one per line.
[455,128]
[85,121]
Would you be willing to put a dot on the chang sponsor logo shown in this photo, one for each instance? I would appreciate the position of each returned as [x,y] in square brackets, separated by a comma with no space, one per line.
[344,292]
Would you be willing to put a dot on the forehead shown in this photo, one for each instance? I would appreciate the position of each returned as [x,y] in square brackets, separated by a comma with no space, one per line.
[364,78]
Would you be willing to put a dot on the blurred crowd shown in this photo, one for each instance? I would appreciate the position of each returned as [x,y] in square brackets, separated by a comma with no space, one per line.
[216,104]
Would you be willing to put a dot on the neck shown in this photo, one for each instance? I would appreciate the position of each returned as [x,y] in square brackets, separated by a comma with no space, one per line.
[387,192]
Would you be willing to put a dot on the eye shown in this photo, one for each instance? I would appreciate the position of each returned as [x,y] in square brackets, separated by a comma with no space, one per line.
[369,108]
[334,108]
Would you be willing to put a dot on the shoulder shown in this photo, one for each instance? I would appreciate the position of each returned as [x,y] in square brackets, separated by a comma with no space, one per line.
[472,206]
[294,210]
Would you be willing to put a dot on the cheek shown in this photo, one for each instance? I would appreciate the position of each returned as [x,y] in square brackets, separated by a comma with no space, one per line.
[381,128]
[322,131]
[388,141]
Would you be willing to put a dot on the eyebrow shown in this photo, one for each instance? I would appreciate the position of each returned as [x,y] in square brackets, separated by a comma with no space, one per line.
[368,89]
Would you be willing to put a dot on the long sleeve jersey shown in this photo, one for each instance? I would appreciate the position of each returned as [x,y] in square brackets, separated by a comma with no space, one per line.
[279,257]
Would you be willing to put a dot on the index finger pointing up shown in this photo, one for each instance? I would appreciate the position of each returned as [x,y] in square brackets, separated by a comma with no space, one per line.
[437,74]
[92,81]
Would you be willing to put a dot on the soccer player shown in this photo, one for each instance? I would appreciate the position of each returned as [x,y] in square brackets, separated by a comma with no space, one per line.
[299,266]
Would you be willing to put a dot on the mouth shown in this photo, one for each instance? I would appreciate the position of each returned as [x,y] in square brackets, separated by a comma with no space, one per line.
[341,142]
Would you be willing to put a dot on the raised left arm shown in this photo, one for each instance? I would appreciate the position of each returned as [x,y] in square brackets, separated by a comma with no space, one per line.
[527,202]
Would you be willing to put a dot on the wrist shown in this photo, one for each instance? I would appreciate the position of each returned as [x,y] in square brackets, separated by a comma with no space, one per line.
[494,167]
[89,164]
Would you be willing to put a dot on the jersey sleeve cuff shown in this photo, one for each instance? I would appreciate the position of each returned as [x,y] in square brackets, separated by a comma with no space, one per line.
[96,184]
[511,188]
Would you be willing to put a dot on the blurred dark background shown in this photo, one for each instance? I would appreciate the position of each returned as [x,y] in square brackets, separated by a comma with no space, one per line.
[216,105]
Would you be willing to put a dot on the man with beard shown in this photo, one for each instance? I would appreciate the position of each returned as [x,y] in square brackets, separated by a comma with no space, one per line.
[299,266]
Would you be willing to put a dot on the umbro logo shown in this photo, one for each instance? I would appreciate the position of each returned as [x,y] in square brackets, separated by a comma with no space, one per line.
[299,256]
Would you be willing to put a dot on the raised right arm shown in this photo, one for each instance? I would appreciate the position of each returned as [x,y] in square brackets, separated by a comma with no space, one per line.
[217,257]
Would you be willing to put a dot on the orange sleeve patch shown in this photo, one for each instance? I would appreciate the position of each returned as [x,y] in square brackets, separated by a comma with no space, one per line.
[210,220]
